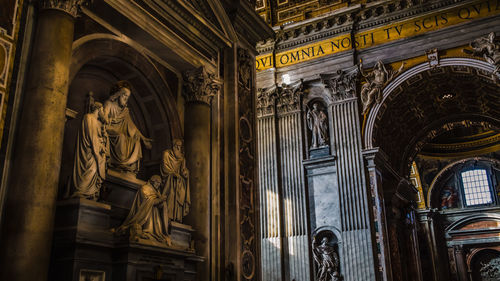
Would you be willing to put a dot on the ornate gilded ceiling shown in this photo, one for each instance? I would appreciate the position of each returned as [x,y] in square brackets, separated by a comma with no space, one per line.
[277,12]
[431,103]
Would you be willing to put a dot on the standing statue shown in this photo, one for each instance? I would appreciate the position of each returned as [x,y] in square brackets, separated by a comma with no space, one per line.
[176,180]
[327,260]
[371,91]
[125,138]
[89,170]
[317,123]
[148,217]
[489,48]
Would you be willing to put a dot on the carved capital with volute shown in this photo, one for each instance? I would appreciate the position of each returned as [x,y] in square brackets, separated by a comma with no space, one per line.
[200,86]
[342,85]
[71,7]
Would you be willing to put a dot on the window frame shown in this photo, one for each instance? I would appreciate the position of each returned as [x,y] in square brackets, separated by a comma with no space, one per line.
[488,179]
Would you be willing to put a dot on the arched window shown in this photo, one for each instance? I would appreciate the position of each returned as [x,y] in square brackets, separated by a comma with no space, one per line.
[476,187]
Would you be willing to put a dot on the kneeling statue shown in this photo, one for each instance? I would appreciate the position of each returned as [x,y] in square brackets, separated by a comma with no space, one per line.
[148,217]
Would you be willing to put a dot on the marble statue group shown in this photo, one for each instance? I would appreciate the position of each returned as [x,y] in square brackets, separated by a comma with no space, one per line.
[109,138]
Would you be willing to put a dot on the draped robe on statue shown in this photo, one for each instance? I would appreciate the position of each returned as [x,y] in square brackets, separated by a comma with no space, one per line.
[178,198]
[89,169]
[125,138]
[148,217]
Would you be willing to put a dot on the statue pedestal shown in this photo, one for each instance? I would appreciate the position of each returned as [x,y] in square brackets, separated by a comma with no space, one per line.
[137,262]
[82,240]
[181,235]
[319,152]
[85,248]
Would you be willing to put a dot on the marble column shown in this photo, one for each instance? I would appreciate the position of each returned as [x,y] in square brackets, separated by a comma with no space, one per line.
[199,89]
[358,259]
[31,198]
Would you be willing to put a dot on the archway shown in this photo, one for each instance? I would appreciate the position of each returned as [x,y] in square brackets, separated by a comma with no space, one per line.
[447,106]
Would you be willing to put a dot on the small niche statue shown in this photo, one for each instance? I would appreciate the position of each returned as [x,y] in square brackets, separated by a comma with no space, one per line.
[175,176]
[317,123]
[489,48]
[326,259]
[371,91]
[125,138]
[147,221]
[89,170]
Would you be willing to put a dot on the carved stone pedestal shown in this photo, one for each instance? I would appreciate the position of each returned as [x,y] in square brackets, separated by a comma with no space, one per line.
[85,248]
[139,262]
[82,241]
[181,235]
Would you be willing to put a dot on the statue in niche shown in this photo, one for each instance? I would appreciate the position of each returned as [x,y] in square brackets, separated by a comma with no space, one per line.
[125,138]
[489,48]
[371,91]
[327,260]
[449,197]
[89,170]
[317,123]
[148,220]
[175,177]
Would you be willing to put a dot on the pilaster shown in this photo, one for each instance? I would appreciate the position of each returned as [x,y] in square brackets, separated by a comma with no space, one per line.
[358,261]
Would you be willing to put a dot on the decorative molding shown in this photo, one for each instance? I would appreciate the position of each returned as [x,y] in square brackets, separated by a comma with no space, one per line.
[200,86]
[71,7]
[266,98]
[342,85]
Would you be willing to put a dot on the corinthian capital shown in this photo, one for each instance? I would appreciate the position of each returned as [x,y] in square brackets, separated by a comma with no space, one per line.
[72,7]
[200,86]
[341,84]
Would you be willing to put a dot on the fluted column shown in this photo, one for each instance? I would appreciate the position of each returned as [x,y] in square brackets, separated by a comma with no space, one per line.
[199,89]
[31,198]
[290,128]
[268,186]
[358,250]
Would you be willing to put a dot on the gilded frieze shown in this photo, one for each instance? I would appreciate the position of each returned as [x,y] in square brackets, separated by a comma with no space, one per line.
[405,28]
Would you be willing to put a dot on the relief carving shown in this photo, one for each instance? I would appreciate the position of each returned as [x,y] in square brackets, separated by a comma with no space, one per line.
[200,86]
[489,48]
[247,164]
[376,80]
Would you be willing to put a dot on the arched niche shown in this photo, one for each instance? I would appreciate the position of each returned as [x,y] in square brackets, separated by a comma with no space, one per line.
[484,264]
[316,96]
[326,244]
[96,65]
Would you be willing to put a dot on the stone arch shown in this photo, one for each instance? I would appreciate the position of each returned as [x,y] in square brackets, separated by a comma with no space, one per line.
[391,87]
[422,102]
